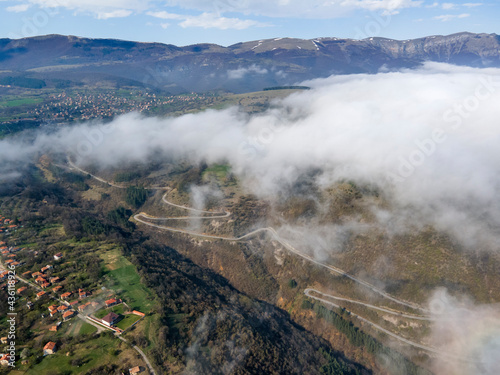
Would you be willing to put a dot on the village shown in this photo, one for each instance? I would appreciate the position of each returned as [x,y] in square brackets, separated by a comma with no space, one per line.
[45,291]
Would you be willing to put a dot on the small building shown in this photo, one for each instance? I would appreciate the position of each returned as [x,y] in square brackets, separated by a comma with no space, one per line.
[45,285]
[58,256]
[4,359]
[83,307]
[134,370]
[66,295]
[55,327]
[82,293]
[52,308]
[55,279]
[112,302]
[68,315]
[62,308]
[21,289]
[40,294]
[29,305]
[49,348]
[36,274]
[26,274]
[138,313]
[57,288]
[111,319]
[44,269]
[3,340]
[39,280]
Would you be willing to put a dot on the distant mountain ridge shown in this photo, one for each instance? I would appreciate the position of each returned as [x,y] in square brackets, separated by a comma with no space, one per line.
[246,66]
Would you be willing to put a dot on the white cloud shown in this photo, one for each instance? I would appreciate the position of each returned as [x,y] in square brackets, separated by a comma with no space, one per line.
[119,13]
[210,20]
[448,5]
[207,20]
[466,330]
[102,9]
[295,8]
[363,128]
[449,17]
[241,72]
[291,8]
[18,8]
[472,5]
[166,15]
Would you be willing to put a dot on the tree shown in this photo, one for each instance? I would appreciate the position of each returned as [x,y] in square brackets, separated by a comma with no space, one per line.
[136,196]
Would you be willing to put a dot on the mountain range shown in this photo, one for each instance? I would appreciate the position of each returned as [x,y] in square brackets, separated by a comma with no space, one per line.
[242,67]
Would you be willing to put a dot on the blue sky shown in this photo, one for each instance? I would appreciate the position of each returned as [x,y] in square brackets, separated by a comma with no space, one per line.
[226,22]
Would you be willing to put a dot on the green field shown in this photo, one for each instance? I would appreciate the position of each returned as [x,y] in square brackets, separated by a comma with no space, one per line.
[87,328]
[123,278]
[20,102]
[93,353]
[127,321]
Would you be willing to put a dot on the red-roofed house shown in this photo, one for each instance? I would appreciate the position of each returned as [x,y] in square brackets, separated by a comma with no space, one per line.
[4,359]
[40,294]
[82,293]
[134,370]
[68,315]
[83,307]
[49,348]
[54,328]
[58,256]
[66,295]
[21,289]
[112,302]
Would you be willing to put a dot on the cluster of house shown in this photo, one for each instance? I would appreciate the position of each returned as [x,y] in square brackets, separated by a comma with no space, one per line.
[7,225]
[10,254]
[66,312]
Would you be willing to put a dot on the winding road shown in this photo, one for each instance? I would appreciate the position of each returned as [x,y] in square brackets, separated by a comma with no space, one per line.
[311,293]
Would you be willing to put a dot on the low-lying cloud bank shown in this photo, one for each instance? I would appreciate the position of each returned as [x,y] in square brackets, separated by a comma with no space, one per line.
[469,332]
[429,138]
